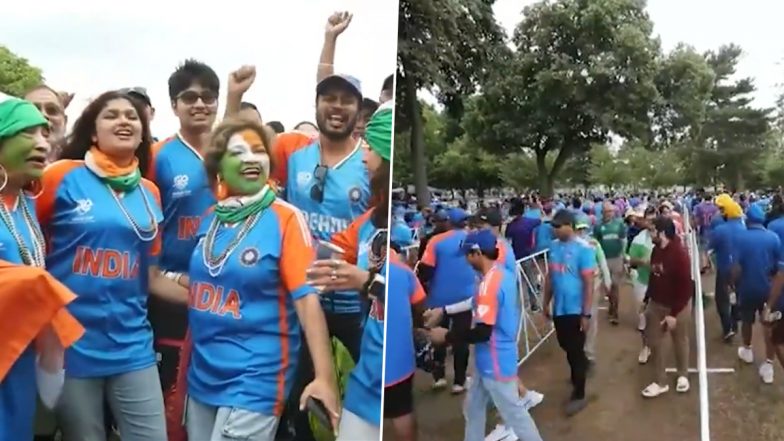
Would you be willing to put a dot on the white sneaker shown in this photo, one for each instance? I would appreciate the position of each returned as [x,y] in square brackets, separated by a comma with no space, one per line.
[501,433]
[458,389]
[683,385]
[645,354]
[766,372]
[746,354]
[532,399]
[654,390]
[439,384]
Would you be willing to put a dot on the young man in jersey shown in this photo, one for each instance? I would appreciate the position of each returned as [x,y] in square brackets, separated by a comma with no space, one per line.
[494,335]
[569,285]
[177,170]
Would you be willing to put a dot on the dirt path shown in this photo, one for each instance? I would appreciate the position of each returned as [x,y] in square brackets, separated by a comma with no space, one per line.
[742,407]
[616,412]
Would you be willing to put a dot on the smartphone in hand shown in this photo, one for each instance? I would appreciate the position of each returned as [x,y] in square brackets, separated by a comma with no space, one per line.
[318,410]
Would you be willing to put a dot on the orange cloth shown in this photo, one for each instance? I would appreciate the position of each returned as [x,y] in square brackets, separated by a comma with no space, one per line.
[110,167]
[32,303]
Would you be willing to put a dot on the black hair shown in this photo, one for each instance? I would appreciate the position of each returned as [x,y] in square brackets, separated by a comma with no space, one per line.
[576,203]
[276,126]
[189,72]
[389,83]
[80,140]
[305,123]
[490,254]
[665,225]
[368,106]
[246,105]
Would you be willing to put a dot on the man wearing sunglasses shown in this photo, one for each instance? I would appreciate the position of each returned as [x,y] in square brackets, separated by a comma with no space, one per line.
[569,285]
[177,169]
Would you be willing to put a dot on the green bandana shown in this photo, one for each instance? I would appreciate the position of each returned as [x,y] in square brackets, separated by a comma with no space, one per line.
[233,210]
[378,132]
[17,115]
[125,183]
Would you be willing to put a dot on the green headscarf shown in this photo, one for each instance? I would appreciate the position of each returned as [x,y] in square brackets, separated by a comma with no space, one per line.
[17,115]
[378,132]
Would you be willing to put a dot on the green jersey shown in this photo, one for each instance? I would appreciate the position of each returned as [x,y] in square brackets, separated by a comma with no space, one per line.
[612,236]
[641,248]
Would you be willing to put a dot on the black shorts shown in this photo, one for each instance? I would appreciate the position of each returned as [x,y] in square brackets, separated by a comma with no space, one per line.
[399,399]
[749,310]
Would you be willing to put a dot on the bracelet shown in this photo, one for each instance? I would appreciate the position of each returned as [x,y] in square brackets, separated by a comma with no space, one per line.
[326,64]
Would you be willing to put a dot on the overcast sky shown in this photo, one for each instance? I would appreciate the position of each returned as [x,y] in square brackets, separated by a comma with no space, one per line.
[90,46]
[707,24]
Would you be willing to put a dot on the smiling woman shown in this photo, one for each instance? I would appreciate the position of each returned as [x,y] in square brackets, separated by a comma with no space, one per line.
[104,220]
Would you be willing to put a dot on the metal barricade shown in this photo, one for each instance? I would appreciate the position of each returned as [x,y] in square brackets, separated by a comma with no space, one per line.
[534,328]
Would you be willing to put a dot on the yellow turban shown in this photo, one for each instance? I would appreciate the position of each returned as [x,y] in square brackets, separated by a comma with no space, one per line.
[728,206]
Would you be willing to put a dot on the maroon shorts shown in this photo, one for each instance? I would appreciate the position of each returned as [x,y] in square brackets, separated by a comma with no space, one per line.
[777,332]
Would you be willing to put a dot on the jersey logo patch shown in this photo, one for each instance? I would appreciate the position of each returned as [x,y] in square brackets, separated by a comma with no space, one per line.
[303,178]
[180,182]
[354,195]
[83,206]
[249,256]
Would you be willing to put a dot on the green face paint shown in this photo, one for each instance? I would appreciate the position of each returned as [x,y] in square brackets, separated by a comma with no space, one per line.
[14,153]
[231,168]
[245,165]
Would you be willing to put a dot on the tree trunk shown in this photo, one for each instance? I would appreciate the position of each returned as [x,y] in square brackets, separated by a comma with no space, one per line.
[418,159]
[543,175]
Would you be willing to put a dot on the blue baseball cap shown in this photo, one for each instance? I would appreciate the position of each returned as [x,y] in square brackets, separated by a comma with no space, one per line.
[440,216]
[401,235]
[340,80]
[481,240]
[457,215]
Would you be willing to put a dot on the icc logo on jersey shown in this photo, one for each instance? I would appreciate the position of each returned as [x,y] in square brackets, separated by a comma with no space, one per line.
[180,182]
[83,206]
[249,257]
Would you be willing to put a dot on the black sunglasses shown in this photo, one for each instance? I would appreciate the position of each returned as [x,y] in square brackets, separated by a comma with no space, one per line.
[190,97]
[317,190]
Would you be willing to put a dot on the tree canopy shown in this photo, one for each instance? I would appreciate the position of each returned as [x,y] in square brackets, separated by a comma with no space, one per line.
[17,76]
[583,95]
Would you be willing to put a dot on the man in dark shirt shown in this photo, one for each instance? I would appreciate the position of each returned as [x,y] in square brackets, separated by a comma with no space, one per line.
[669,290]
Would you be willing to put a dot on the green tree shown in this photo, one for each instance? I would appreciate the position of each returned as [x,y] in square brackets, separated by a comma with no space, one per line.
[434,142]
[685,81]
[579,71]
[463,165]
[444,47]
[734,134]
[17,76]
[605,168]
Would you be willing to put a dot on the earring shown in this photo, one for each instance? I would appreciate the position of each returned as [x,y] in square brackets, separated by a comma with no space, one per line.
[5,177]
[221,192]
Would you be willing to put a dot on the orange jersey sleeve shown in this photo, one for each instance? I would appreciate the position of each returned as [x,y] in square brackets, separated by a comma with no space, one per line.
[50,183]
[155,149]
[285,144]
[487,300]
[348,239]
[429,256]
[296,251]
[419,293]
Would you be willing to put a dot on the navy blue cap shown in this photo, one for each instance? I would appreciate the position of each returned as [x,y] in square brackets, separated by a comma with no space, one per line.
[480,240]
[441,216]
[343,80]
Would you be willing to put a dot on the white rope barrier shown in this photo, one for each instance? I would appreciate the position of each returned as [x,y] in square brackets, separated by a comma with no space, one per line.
[702,364]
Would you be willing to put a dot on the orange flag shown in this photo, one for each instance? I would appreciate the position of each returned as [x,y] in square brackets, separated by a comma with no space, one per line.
[32,304]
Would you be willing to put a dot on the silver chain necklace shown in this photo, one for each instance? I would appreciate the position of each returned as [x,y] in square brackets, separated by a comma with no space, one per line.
[145,235]
[215,264]
[38,255]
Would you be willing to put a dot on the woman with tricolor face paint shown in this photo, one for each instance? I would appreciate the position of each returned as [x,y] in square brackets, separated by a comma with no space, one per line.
[249,298]
[102,220]
[363,268]
[36,325]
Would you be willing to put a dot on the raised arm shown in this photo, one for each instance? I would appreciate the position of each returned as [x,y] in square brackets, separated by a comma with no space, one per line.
[239,82]
[336,24]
